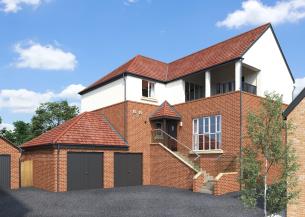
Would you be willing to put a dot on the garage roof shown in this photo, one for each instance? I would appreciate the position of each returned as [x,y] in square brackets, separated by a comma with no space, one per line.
[88,128]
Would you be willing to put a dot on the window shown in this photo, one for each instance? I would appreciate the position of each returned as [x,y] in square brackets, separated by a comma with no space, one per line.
[225,87]
[193,91]
[148,89]
[207,133]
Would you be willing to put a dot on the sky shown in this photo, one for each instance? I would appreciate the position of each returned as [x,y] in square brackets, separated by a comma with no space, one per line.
[52,49]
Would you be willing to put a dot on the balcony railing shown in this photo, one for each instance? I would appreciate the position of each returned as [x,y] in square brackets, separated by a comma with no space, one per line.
[249,88]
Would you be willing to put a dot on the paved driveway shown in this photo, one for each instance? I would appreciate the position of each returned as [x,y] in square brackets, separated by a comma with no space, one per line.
[147,201]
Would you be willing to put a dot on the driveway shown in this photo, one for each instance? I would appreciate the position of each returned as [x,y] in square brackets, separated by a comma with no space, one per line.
[141,201]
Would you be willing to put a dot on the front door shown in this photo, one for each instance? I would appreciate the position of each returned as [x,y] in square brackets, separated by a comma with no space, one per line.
[171,129]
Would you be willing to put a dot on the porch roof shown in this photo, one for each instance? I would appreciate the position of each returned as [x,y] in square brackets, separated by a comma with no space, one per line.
[165,111]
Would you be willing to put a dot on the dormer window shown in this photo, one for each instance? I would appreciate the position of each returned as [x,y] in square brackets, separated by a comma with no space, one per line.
[148,89]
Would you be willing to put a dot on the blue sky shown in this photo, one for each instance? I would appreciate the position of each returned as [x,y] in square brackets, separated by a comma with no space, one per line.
[51,49]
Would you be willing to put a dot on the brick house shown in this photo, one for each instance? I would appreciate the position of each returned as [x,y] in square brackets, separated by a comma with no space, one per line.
[295,114]
[183,122]
[9,164]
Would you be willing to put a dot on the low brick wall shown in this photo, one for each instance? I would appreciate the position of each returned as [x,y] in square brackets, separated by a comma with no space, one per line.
[198,181]
[168,171]
[226,183]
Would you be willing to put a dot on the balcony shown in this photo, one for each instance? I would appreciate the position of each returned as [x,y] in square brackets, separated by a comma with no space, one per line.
[229,77]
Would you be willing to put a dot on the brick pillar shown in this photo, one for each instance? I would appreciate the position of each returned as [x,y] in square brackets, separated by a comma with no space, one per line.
[108,170]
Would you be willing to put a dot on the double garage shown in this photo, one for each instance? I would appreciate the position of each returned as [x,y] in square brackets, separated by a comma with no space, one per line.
[85,170]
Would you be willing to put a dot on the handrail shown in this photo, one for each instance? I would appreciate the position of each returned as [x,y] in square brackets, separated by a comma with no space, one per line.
[197,155]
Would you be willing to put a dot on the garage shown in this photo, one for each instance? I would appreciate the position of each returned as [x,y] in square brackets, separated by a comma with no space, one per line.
[9,165]
[127,169]
[85,170]
[5,171]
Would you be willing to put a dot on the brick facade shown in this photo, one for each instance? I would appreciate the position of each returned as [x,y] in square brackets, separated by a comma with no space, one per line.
[132,119]
[8,149]
[44,168]
[297,139]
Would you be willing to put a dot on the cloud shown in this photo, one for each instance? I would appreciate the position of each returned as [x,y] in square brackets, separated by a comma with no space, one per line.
[7,126]
[26,101]
[13,6]
[130,2]
[299,86]
[44,57]
[71,92]
[255,12]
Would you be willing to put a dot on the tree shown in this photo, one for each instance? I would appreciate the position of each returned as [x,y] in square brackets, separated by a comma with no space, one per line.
[268,149]
[50,115]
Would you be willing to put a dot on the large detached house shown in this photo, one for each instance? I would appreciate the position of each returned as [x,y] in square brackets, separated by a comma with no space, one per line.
[180,124]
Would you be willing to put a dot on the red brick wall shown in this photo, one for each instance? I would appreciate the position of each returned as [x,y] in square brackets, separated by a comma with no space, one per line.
[44,168]
[227,183]
[198,182]
[228,106]
[7,149]
[168,171]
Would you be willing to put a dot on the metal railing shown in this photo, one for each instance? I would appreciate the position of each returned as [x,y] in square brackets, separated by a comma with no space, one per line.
[249,88]
[226,163]
[160,136]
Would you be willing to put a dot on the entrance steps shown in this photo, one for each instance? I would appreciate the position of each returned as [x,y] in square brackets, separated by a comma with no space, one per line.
[208,186]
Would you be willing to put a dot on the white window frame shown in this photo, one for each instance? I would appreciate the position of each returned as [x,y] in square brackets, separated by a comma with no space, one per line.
[197,134]
[151,89]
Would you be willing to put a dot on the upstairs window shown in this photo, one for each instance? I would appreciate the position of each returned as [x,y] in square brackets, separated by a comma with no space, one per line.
[193,91]
[148,89]
[207,133]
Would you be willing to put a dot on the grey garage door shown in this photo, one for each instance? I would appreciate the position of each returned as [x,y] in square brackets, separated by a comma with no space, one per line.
[5,171]
[85,170]
[127,169]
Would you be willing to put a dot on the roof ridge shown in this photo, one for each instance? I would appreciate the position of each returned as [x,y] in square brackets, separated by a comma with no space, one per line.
[112,127]
[221,42]
[77,118]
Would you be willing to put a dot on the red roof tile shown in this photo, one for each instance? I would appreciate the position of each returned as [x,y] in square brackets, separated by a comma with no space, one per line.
[165,111]
[89,128]
[225,51]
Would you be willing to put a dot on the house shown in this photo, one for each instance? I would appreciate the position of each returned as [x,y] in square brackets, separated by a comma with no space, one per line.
[180,124]
[295,114]
[9,165]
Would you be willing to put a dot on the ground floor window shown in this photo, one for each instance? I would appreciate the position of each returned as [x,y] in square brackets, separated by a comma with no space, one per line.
[207,133]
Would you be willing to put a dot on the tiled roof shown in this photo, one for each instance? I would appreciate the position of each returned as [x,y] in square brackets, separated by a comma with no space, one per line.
[223,52]
[165,111]
[89,128]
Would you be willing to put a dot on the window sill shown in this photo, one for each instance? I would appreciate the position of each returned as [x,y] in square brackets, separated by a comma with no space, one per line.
[149,99]
[218,151]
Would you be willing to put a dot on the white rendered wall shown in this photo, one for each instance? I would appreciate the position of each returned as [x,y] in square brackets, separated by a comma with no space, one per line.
[173,92]
[106,95]
[274,74]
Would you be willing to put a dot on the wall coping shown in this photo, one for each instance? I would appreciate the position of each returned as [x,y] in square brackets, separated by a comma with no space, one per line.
[177,156]
[218,177]
[198,175]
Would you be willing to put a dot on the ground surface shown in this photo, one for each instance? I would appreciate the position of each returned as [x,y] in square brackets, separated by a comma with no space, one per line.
[130,201]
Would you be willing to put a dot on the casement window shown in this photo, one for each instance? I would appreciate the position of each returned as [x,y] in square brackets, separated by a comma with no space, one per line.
[148,89]
[207,133]
[193,91]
